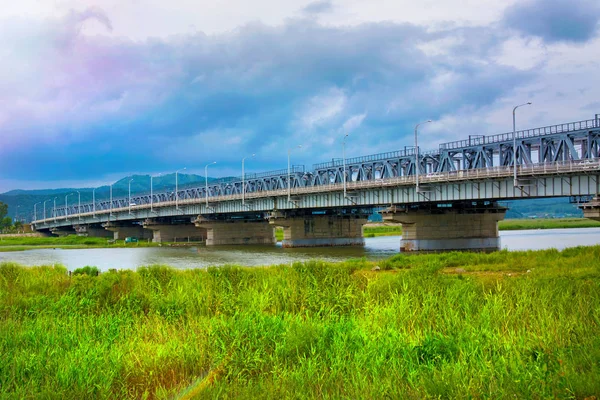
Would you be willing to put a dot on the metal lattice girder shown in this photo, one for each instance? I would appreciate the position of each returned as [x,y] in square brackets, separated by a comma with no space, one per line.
[557,143]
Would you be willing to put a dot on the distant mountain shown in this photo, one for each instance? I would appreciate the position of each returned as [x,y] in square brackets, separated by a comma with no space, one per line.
[25,199]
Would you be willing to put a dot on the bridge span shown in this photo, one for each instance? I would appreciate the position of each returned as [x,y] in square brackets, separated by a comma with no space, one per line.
[446,199]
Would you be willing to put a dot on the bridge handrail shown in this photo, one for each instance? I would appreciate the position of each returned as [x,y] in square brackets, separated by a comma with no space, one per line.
[522,134]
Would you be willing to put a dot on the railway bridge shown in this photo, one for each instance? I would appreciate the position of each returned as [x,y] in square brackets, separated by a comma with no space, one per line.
[445,199]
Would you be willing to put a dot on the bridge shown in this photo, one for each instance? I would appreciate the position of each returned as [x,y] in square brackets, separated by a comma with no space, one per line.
[446,199]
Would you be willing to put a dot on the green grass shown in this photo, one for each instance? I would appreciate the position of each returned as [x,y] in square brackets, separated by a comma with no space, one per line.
[558,223]
[455,325]
[69,242]
[506,225]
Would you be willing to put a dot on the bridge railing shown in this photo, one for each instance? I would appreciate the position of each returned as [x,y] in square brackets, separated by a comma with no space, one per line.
[526,171]
[359,160]
[523,134]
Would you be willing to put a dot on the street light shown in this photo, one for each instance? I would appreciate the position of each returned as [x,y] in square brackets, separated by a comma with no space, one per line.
[206,180]
[94,203]
[110,212]
[344,161]
[45,209]
[17,213]
[417,156]
[151,194]
[131,180]
[243,180]
[35,210]
[54,211]
[515,142]
[66,206]
[290,172]
[176,190]
[79,205]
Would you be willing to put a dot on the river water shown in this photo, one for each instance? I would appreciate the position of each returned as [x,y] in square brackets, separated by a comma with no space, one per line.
[201,257]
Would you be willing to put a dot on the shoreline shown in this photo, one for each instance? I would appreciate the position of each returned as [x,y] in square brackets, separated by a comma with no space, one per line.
[370,230]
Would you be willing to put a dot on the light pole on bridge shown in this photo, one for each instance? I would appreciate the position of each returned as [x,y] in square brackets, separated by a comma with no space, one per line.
[176,189]
[54,210]
[515,183]
[131,180]
[344,161]
[290,172]
[243,181]
[45,209]
[67,206]
[110,213]
[206,180]
[79,204]
[417,166]
[35,210]
[94,203]
[151,193]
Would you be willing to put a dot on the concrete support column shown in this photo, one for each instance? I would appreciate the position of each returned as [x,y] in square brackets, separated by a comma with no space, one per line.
[472,229]
[63,231]
[92,231]
[236,232]
[321,230]
[122,232]
[176,233]
[591,210]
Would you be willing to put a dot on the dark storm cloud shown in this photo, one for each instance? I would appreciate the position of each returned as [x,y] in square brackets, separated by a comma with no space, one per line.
[105,105]
[555,20]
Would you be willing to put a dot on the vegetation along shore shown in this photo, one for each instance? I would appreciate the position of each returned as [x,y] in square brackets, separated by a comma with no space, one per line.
[458,325]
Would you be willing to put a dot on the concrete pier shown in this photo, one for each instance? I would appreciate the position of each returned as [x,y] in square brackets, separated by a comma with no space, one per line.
[120,232]
[320,230]
[233,232]
[446,229]
[92,231]
[63,231]
[175,233]
[591,209]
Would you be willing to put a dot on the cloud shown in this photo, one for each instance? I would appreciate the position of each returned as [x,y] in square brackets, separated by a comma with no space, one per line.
[77,106]
[554,21]
[318,7]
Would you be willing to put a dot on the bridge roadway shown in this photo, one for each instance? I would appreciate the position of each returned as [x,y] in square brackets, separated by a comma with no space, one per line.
[454,207]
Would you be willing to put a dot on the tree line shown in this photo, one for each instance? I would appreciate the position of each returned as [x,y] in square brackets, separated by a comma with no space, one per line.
[7,225]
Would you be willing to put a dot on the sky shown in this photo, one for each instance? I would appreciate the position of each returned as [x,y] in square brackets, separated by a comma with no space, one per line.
[95,90]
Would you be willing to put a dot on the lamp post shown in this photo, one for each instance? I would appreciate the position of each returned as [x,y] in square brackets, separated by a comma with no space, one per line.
[54,210]
[35,210]
[206,180]
[290,172]
[515,142]
[79,204]
[176,189]
[131,180]
[45,209]
[67,206]
[110,212]
[417,155]
[94,203]
[243,180]
[344,161]
[151,193]
[17,213]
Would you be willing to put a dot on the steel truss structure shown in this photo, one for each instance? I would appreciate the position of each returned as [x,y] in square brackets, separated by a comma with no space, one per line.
[577,142]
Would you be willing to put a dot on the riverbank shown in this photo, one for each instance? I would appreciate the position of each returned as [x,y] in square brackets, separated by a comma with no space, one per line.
[20,243]
[455,325]
[383,229]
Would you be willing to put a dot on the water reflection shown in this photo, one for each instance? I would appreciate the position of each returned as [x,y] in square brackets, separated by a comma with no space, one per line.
[200,257]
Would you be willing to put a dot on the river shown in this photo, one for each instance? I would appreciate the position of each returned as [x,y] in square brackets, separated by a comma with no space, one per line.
[201,257]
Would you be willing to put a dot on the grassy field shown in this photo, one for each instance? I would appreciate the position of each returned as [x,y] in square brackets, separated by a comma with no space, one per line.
[68,242]
[455,325]
[506,225]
